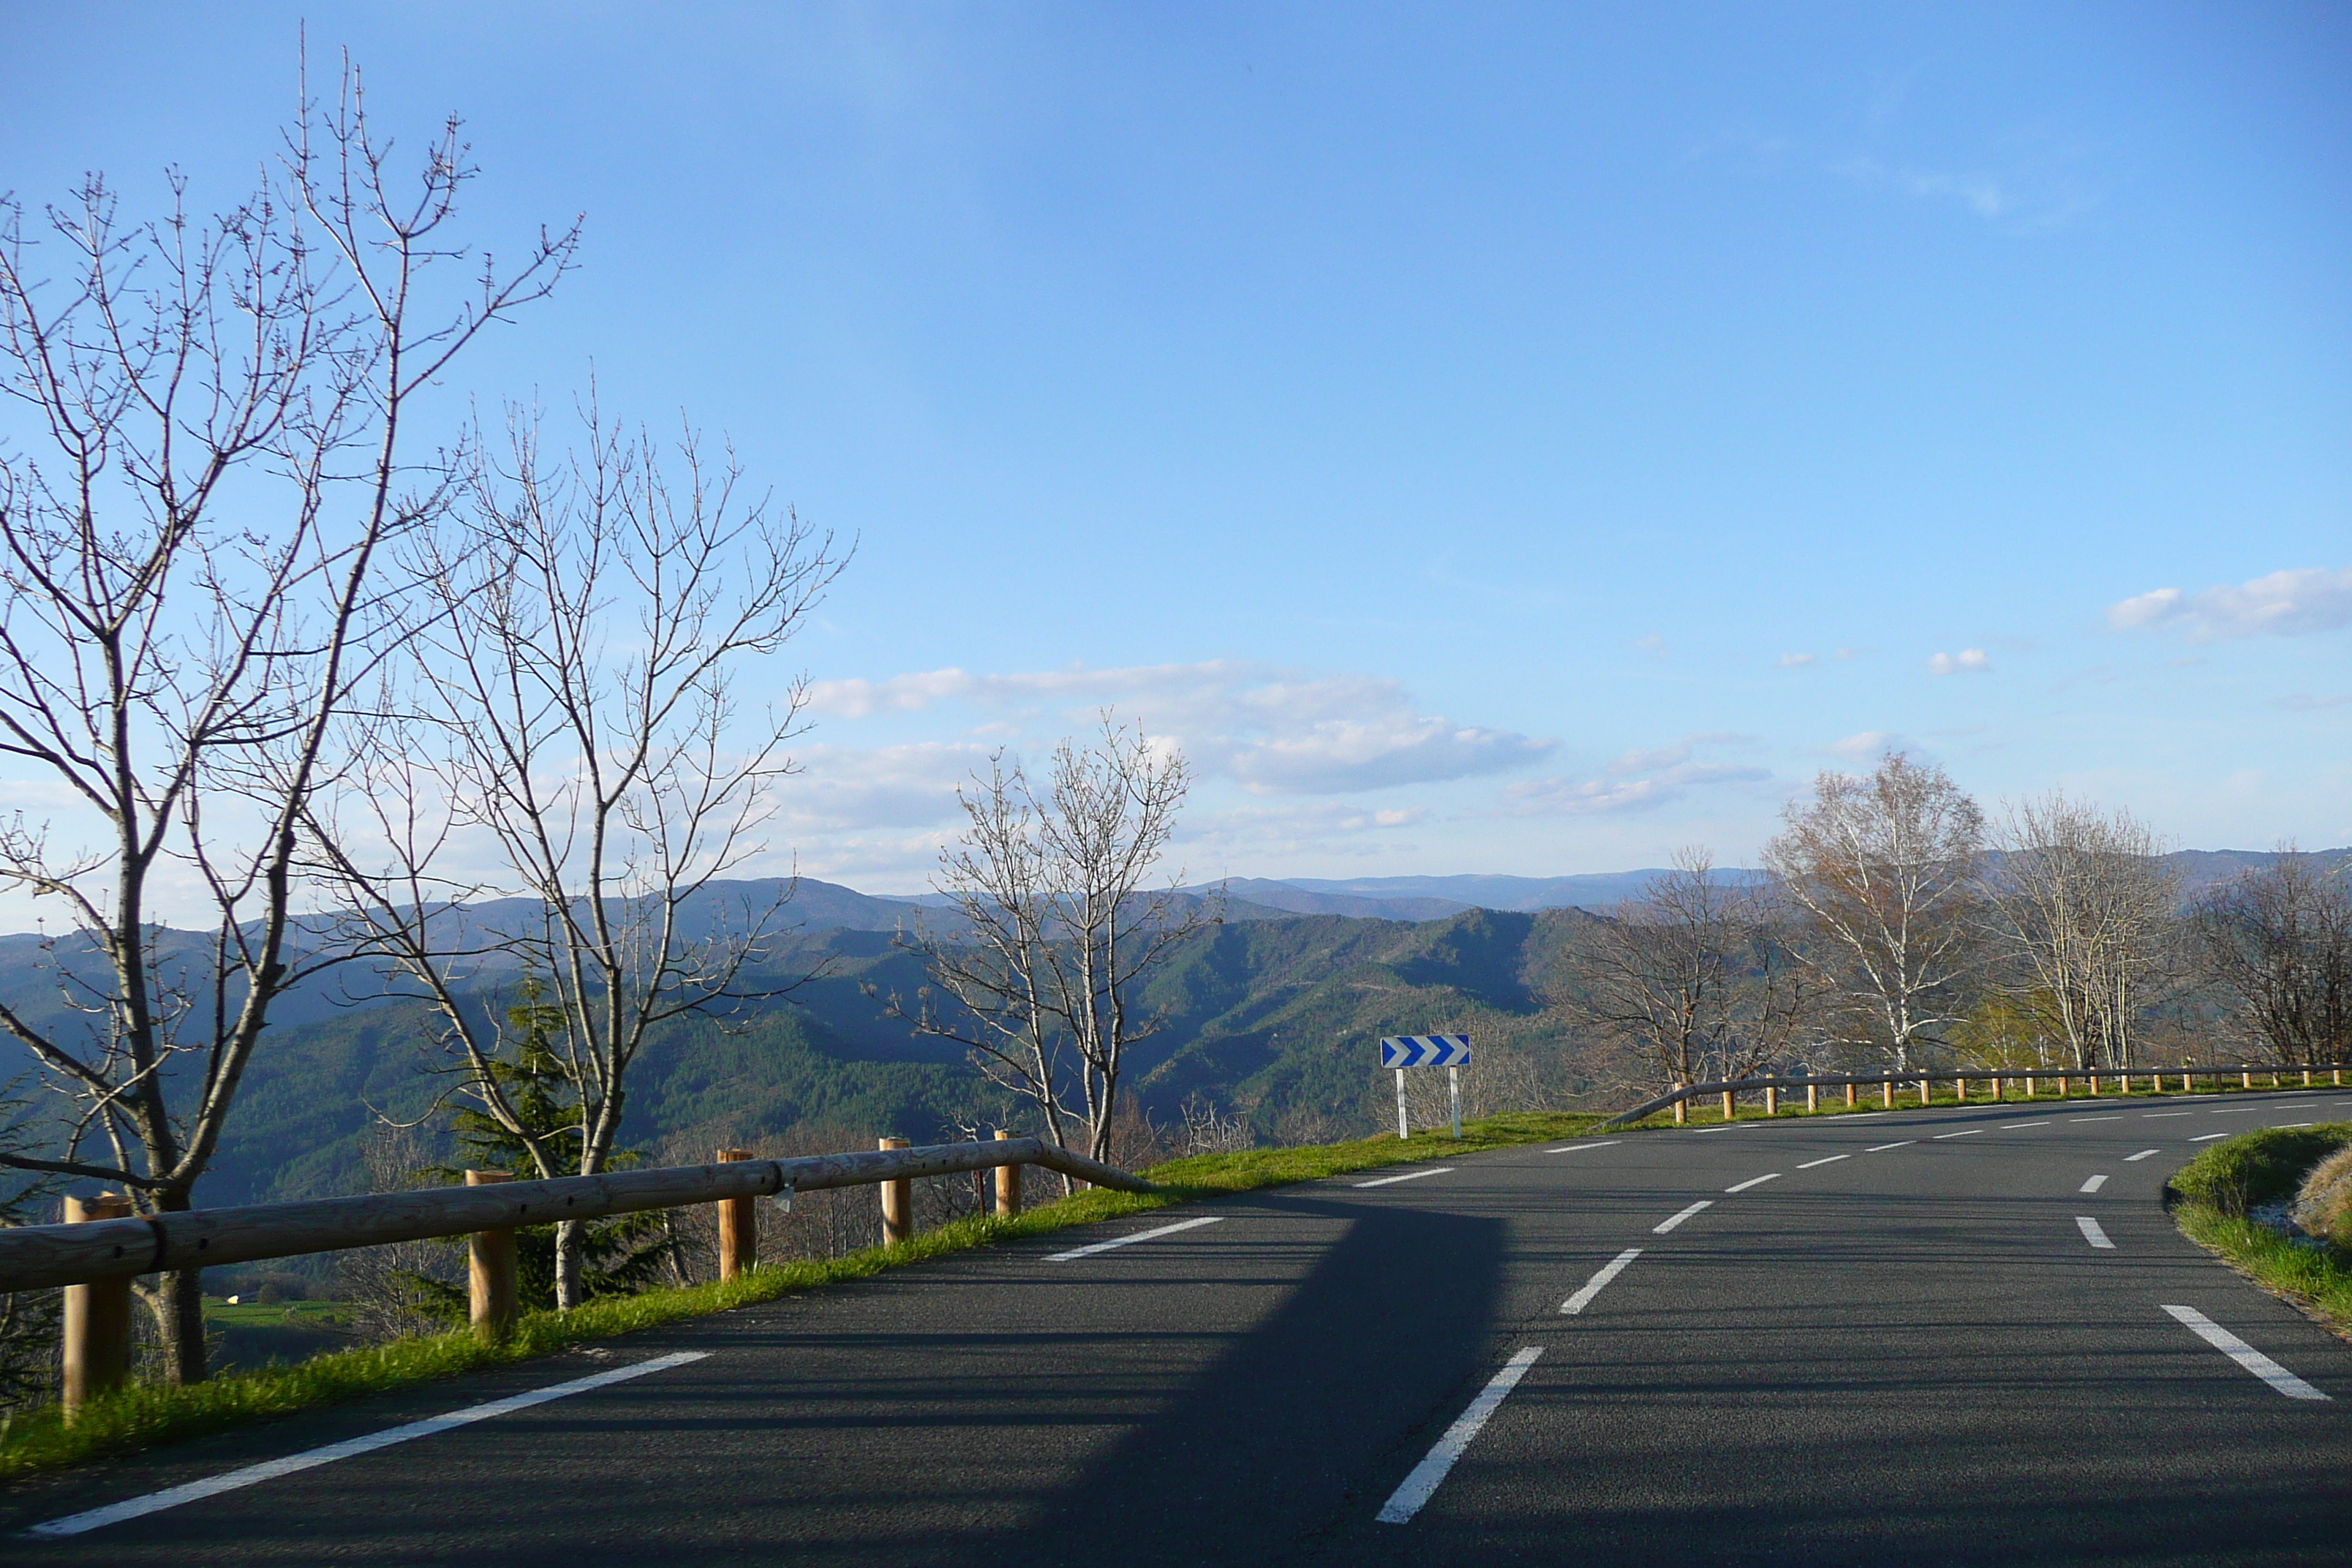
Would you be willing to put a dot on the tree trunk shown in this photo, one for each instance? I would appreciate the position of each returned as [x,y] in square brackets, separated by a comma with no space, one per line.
[570,1241]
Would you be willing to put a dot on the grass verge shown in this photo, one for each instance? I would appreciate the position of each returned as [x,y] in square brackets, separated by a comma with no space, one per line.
[2210,1196]
[149,1414]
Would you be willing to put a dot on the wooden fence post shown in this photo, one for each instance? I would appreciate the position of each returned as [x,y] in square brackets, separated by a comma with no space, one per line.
[1926,1093]
[1682,1109]
[2245,1077]
[1887,1091]
[97,1318]
[1008,1186]
[1853,1095]
[739,1225]
[1996,1089]
[1812,1097]
[1772,1099]
[490,1272]
[897,1203]
[1727,1105]
[2094,1085]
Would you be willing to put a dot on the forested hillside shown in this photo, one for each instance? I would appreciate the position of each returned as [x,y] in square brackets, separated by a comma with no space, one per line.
[1276,1019]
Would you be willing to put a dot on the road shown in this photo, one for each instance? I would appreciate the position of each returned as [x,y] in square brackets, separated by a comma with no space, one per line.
[1883,1338]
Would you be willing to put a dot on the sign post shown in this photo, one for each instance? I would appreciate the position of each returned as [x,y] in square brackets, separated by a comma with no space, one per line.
[1450,1052]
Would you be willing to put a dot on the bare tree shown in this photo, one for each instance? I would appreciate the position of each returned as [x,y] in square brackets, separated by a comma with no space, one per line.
[1884,868]
[1696,976]
[196,590]
[2278,942]
[2082,903]
[1054,933]
[574,738]
[389,1285]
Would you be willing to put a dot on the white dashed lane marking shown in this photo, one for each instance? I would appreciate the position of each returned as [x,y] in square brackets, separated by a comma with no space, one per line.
[2095,1183]
[1076,1252]
[1408,1176]
[1662,1227]
[1430,1474]
[1832,1160]
[2093,1234]
[270,1469]
[2244,1354]
[1881,1148]
[2141,1155]
[1593,1286]
[1752,1182]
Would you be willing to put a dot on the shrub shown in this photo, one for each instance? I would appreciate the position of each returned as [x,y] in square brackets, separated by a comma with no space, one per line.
[2261,1167]
[2324,1205]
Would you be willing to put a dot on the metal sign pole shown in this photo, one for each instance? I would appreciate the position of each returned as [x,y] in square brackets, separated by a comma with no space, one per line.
[1403,1131]
[1453,1093]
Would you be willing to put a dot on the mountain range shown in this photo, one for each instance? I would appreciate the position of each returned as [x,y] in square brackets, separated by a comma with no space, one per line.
[1273,1015]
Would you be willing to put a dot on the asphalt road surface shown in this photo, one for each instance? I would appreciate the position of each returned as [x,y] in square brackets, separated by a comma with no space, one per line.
[1915,1336]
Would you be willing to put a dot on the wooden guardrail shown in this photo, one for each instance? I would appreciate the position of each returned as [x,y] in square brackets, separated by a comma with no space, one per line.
[1679,1098]
[97,1258]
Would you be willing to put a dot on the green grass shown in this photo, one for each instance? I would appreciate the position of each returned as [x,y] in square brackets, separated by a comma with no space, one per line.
[149,1414]
[2261,1167]
[275,1314]
[2214,1191]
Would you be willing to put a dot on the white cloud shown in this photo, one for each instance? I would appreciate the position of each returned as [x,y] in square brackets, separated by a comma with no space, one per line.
[1796,660]
[1981,194]
[1273,731]
[1665,773]
[1651,644]
[843,788]
[2285,603]
[1868,744]
[1271,832]
[1968,661]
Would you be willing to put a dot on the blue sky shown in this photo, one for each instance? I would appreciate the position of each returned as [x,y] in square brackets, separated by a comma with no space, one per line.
[1487,440]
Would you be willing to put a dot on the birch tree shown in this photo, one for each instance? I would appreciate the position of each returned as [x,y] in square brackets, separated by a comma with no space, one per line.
[1885,869]
[1696,976]
[1053,932]
[2083,904]
[217,463]
[572,733]
[2277,942]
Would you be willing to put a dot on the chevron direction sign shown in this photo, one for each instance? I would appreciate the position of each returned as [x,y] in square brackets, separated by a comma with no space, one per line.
[1425,1051]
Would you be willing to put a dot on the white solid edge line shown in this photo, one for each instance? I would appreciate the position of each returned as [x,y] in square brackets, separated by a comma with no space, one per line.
[1968,1132]
[1879,1147]
[2141,1155]
[1427,1476]
[1753,1181]
[2244,1354]
[1408,1176]
[2013,1126]
[1832,1160]
[1131,1240]
[1572,1148]
[270,1469]
[1665,1226]
[2093,1233]
[2117,1116]
[2093,1183]
[2208,1137]
[1593,1286]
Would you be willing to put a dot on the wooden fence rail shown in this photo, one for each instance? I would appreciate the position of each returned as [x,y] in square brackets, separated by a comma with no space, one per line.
[1923,1081]
[33,1257]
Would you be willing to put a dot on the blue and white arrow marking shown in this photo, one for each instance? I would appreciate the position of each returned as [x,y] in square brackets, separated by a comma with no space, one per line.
[1425,1051]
